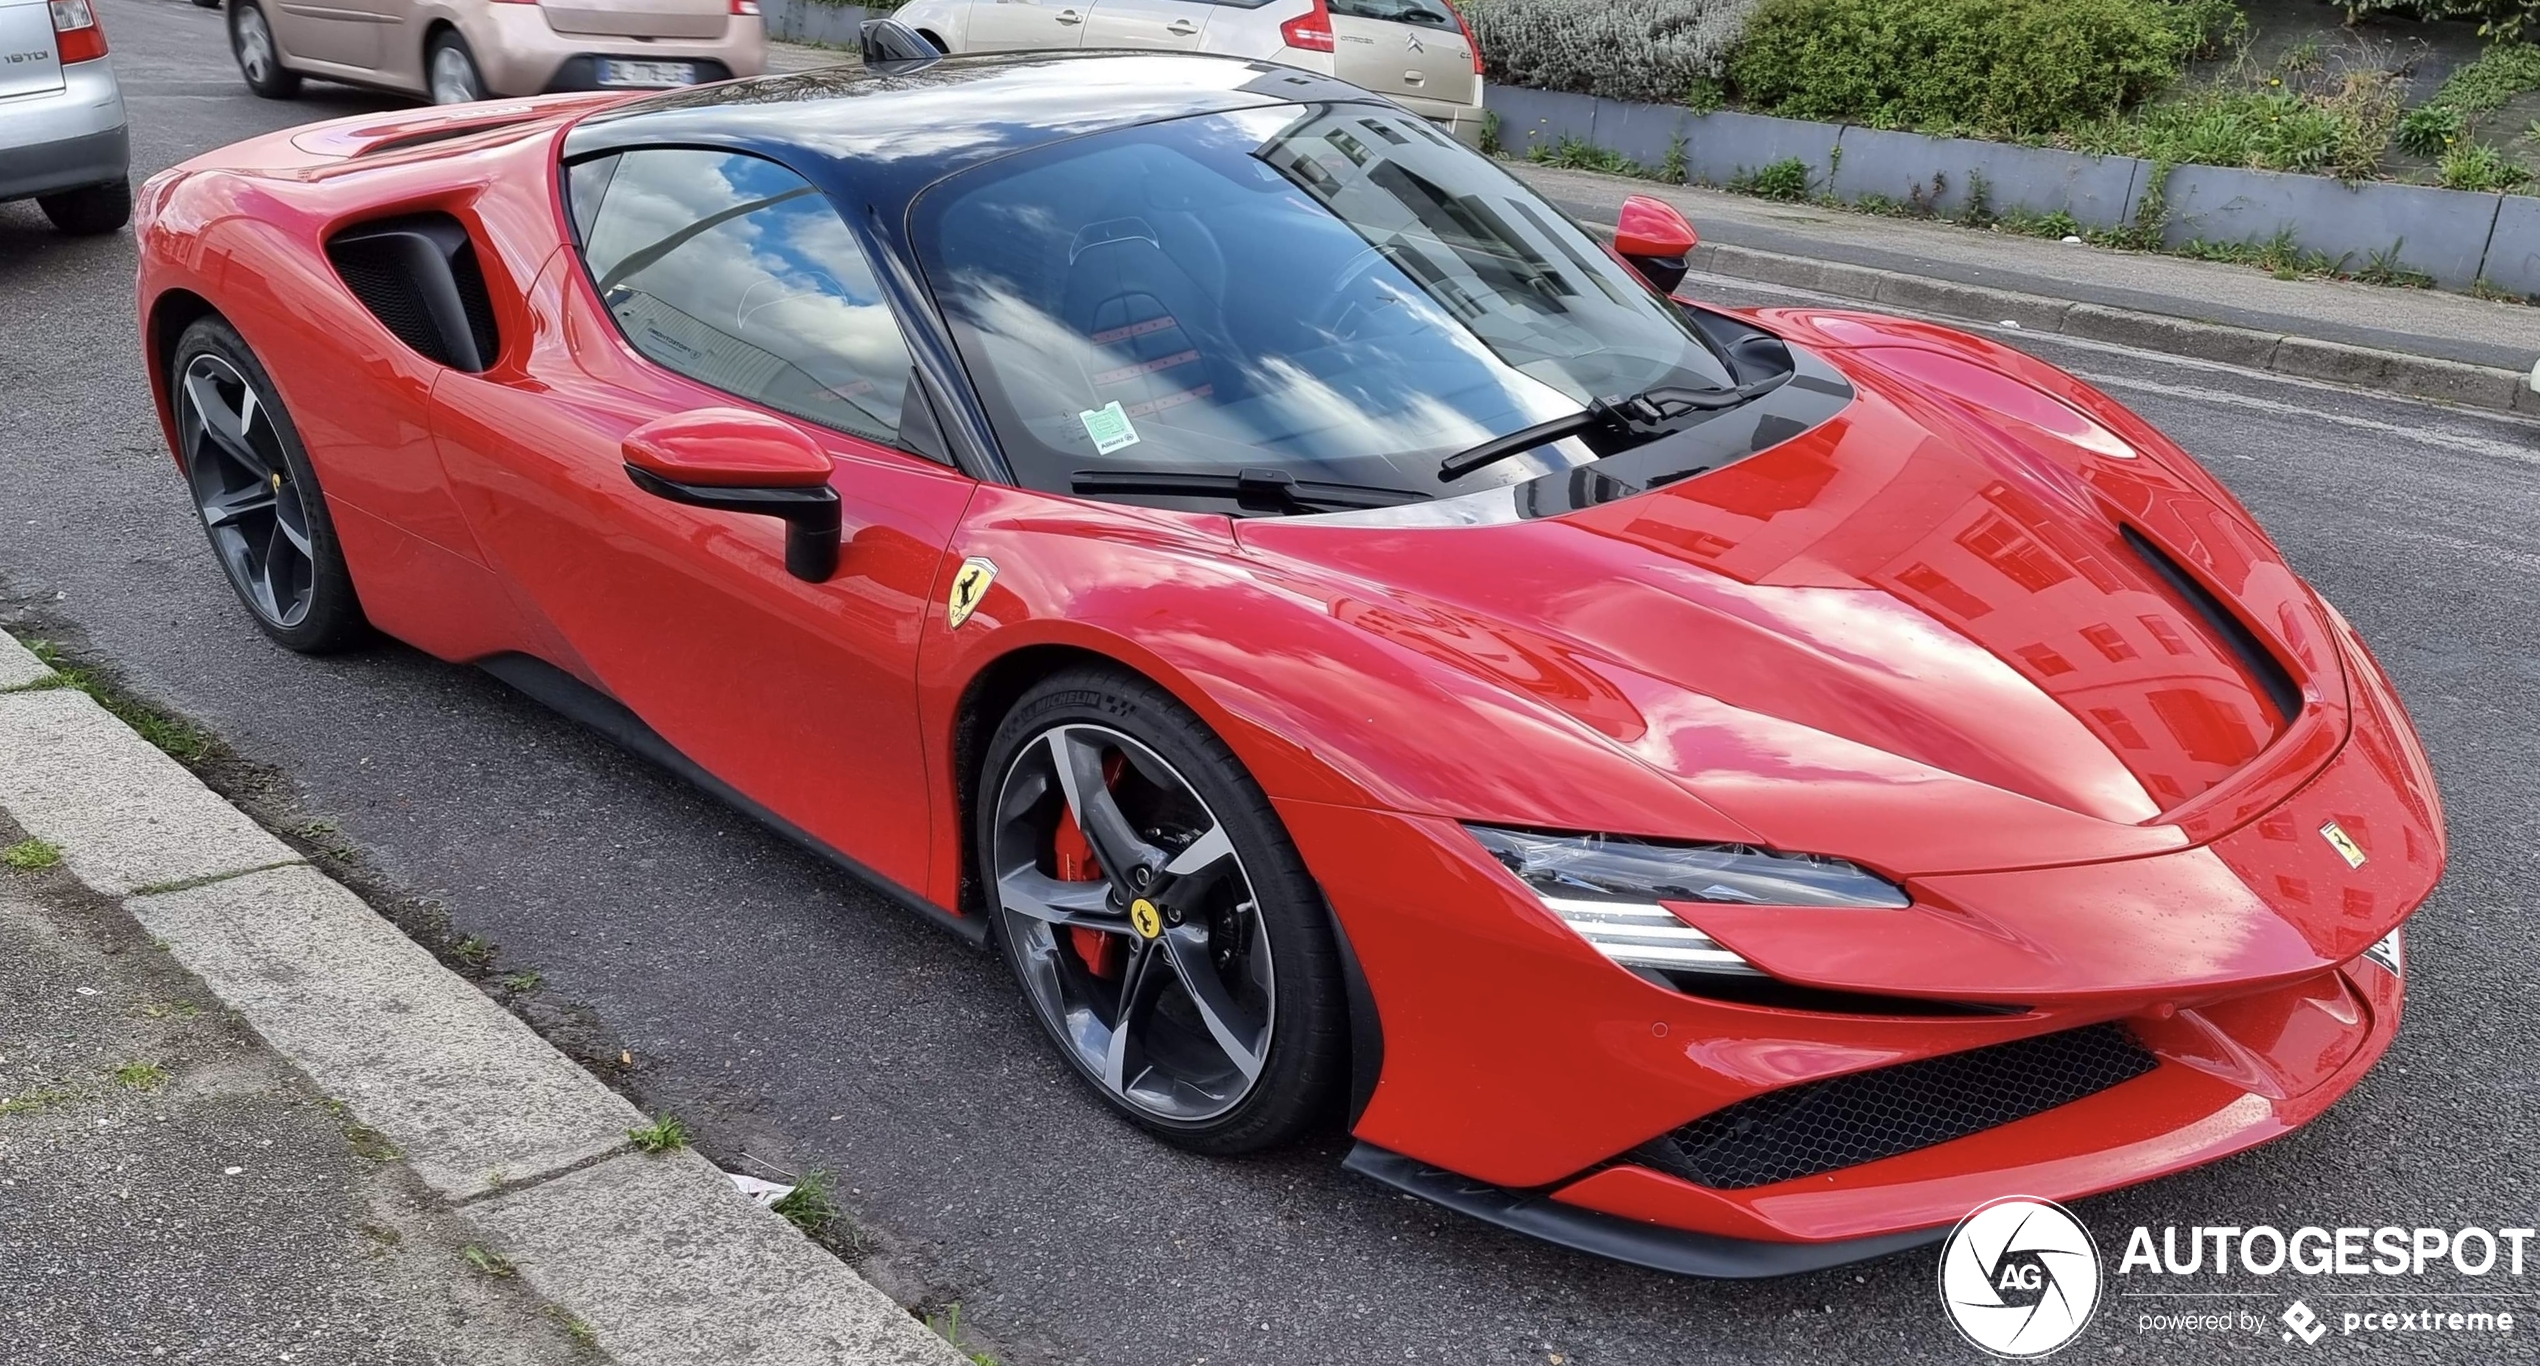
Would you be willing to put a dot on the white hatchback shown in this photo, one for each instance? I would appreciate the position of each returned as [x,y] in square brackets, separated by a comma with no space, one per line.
[1417,51]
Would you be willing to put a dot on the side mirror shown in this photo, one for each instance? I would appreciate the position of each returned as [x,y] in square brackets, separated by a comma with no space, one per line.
[736,461]
[887,42]
[1655,239]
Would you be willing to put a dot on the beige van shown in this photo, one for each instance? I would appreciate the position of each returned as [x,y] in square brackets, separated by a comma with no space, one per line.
[452,51]
[1419,52]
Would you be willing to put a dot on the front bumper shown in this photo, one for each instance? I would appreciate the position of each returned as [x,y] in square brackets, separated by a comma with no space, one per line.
[65,139]
[1520,1060]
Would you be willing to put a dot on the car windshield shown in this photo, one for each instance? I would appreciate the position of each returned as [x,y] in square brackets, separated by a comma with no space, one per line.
[1336,293]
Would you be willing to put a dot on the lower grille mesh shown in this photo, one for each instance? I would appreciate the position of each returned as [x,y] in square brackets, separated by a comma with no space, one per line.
[1823,1126]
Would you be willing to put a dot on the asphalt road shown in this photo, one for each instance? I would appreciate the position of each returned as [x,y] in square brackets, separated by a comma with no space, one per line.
[792,1016]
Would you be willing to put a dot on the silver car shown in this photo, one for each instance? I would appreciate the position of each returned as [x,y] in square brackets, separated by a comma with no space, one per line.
[62,138]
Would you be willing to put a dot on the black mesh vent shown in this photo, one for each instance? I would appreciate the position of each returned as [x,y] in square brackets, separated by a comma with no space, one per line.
[420,276]
[1822,1126]
[388,290]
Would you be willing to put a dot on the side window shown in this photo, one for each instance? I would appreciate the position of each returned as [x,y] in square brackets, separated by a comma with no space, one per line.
[735,272]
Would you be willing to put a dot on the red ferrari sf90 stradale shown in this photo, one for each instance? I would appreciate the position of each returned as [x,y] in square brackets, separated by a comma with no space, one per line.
[1729,790]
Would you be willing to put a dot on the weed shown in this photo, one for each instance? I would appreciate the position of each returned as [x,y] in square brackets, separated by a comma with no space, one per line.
[384,1236]
[1706,94]
[487,1262]
[521,983]
[2479,166]
[1578,154]
[170,1010]
[1785,179]
[1978,212]
[812,1203]
[664,1134]
[1491,146]
[2058,225]
[1672,168]
[475,953]
[31,855]
[579,1331]
[142,1076]
[2385,268]
[179,739]
[370,1144]
[30,1102]
[947,1326]
[2430,128]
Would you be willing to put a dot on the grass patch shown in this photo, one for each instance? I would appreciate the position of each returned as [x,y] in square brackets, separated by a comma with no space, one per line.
[142,1076]
[369,1144]
[1579,154]
[520,983]
[2481,167]
[1786,179]
[29,856]
[812,1203]
[476,952]
[27,1103]
[485,1261]
[170,1010]
[664,1134]
[947,1325]
[180,739]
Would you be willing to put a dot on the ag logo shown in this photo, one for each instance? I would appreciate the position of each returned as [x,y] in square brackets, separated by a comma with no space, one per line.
[2019,1277]
[969,589]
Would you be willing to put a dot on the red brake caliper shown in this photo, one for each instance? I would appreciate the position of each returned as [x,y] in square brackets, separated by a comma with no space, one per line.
[1076,863]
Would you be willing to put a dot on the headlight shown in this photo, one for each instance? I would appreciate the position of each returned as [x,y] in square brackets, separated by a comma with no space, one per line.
[1607,888]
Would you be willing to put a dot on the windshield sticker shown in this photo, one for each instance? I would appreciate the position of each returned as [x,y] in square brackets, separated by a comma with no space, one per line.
[1109,427]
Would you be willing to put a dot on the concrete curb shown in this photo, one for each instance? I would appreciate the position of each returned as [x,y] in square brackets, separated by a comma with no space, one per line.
[660,1257]
[2386,372]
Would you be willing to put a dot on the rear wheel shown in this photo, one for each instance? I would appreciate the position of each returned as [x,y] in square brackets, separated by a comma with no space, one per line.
[257,496]
[451,68]
[1162,926]
[259,57]
[90,211]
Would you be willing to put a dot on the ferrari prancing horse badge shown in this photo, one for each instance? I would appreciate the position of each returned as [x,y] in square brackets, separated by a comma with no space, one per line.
[969,587]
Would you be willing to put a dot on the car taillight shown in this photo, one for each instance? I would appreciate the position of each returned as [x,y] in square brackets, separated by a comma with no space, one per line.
[747,9]
[76,36]
[1311,31]
[1469,40]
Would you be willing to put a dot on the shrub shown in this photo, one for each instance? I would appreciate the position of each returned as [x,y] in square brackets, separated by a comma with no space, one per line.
[2506,19]
[2343,132]
[2429,128]
[1784,179]
[1652,50]
[2002,66]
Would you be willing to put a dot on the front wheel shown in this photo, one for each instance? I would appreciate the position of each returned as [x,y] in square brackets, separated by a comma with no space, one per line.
[1162,926]
[257,495]
[259,57]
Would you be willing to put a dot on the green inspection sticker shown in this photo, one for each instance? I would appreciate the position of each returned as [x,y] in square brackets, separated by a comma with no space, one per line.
[1109,427]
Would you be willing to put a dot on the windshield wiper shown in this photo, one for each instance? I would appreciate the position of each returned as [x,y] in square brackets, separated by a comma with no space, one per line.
[1639,414]
[1255,490]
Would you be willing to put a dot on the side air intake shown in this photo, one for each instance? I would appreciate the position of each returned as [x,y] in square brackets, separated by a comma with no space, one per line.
[419,276]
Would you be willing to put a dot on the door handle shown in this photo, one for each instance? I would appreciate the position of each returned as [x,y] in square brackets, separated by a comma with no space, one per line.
[1414,77]
[1182,28]
[1069,16]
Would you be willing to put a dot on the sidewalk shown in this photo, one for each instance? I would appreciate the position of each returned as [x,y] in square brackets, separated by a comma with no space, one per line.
[2421,342]
[244,1118]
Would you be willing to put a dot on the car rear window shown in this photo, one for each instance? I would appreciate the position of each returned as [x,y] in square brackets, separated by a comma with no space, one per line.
[1413,12]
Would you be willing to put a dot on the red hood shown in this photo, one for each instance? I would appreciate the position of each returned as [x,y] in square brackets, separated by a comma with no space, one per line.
[1917,635]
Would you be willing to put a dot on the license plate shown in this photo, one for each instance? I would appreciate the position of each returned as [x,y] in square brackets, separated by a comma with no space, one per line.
[615,72]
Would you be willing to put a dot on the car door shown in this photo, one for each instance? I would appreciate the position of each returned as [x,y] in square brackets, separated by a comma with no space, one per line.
[1173,25]
[715,279]
[342,33]
[1027,25]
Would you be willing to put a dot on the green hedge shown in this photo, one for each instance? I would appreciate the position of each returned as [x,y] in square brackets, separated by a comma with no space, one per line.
[1995,66]
[2498,18]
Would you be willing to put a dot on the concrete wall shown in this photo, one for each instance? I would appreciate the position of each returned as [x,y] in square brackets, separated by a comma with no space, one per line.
[2456,238]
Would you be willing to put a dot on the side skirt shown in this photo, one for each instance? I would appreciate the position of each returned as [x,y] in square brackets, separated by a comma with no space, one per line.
[1624,1240]
[561,692]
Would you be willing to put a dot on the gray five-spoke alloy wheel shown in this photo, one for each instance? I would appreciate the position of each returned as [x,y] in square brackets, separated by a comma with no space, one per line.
[1152,964]
[245,491]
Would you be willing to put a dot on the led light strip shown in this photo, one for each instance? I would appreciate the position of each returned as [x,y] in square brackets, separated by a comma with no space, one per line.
[1641,935]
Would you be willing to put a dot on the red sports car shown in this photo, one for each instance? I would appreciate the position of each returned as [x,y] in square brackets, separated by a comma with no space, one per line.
[1730,790]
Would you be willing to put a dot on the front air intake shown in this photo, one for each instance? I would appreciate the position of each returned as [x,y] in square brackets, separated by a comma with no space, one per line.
[1824,1126]
[419,276]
